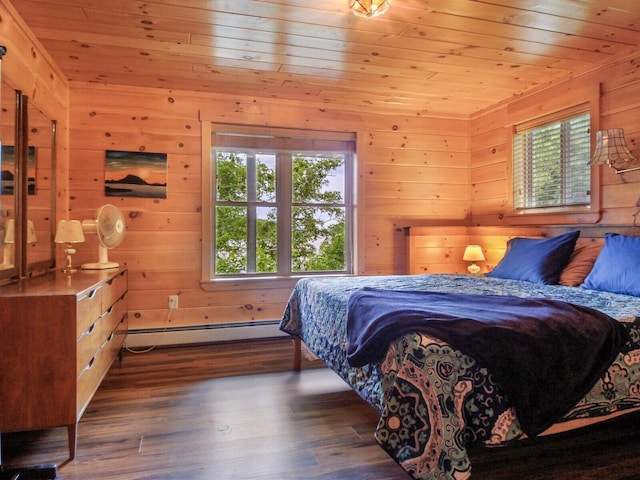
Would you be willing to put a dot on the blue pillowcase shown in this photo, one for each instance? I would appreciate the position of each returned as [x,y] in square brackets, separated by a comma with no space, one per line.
[536,260]
[617,268]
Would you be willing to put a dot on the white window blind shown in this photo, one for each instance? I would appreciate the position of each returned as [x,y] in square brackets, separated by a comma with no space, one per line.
[551,160]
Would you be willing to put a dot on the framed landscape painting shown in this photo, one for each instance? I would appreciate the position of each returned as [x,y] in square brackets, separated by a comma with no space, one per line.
[135,174]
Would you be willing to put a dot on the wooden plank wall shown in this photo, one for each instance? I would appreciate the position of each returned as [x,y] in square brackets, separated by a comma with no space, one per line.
[412,175]
[410,171]
[619,107]
[436,249]
[433,250]
[440,249]
[27,67]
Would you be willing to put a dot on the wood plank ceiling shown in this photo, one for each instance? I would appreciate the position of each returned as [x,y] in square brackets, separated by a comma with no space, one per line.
[423,57]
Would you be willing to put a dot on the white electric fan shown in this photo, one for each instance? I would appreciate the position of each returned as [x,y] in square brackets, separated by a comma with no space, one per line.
[109,226]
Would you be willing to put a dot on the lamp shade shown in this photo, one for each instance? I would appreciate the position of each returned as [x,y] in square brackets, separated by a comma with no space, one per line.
[369,8]
[10,231]
[31,232]
[611,148]
[473,253]
[69,231]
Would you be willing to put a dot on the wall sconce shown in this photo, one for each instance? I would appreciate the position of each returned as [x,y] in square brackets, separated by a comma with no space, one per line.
[369,8]
[69,232]
[611,150]
[473,253]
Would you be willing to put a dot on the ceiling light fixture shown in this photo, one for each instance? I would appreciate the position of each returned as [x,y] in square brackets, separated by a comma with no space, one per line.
[369,8]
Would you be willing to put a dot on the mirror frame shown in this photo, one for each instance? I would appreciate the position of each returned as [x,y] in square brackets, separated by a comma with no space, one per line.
[22,267]
[31,268]
[13,272]
[20,188]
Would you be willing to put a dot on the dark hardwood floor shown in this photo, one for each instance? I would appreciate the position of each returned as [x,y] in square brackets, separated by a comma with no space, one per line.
[237,411]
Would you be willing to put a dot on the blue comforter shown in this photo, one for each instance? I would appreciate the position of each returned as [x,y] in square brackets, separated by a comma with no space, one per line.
[546,354]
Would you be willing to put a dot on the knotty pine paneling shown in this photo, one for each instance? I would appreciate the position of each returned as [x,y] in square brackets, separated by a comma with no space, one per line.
[447,57]
[412,169]
[409,170]
[435,249]
[411,178]
[28,67]
[440,249]
[619,106]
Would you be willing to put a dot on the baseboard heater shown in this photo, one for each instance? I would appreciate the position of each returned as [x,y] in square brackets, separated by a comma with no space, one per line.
[224,332]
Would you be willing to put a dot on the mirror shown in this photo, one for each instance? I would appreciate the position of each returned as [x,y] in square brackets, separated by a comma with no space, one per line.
[8,183]
[40,192]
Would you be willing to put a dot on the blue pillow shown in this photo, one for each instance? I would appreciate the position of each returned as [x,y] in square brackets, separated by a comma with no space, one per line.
[536,260]
[617,268]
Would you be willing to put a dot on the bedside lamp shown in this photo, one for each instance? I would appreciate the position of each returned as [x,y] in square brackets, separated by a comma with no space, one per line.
[69,232]
[473,253]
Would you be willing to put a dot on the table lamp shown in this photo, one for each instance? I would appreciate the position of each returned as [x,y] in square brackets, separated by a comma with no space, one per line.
[69,232]
[473,253]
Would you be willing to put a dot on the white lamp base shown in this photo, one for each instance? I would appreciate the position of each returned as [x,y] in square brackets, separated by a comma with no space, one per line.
[473,269]
[69,268]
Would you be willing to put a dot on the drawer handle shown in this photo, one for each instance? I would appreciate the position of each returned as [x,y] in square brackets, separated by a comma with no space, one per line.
[108,340]
[93,292]
[88,367]
[111,280]
[90,330]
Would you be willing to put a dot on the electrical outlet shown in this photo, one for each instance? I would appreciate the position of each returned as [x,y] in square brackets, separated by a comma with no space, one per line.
[173,302]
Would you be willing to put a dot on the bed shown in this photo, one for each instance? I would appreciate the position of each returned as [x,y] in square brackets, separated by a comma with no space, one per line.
[434,399]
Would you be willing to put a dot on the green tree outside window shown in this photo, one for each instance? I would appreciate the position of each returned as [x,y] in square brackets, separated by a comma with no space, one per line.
[280,213]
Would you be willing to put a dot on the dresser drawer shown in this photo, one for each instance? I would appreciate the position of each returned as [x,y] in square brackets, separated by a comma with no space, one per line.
[89,308]
[92,339]
[113,290]
[92,374]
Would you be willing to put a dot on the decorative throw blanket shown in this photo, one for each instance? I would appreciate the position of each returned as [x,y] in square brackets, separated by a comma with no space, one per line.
[545,354]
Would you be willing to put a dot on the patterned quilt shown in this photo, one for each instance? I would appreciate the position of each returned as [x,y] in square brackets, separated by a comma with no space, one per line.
[434,400]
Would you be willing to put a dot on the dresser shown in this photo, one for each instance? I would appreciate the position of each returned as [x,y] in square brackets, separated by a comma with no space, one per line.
[59,334]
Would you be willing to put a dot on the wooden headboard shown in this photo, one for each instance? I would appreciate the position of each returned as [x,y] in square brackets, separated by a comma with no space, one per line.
[439,249]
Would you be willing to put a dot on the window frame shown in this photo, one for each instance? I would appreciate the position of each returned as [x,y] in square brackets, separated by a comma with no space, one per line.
[570,214]
[526,137]
[250,280]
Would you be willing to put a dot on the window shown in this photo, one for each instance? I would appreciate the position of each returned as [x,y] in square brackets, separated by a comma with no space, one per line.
[551,161]
[282,202]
